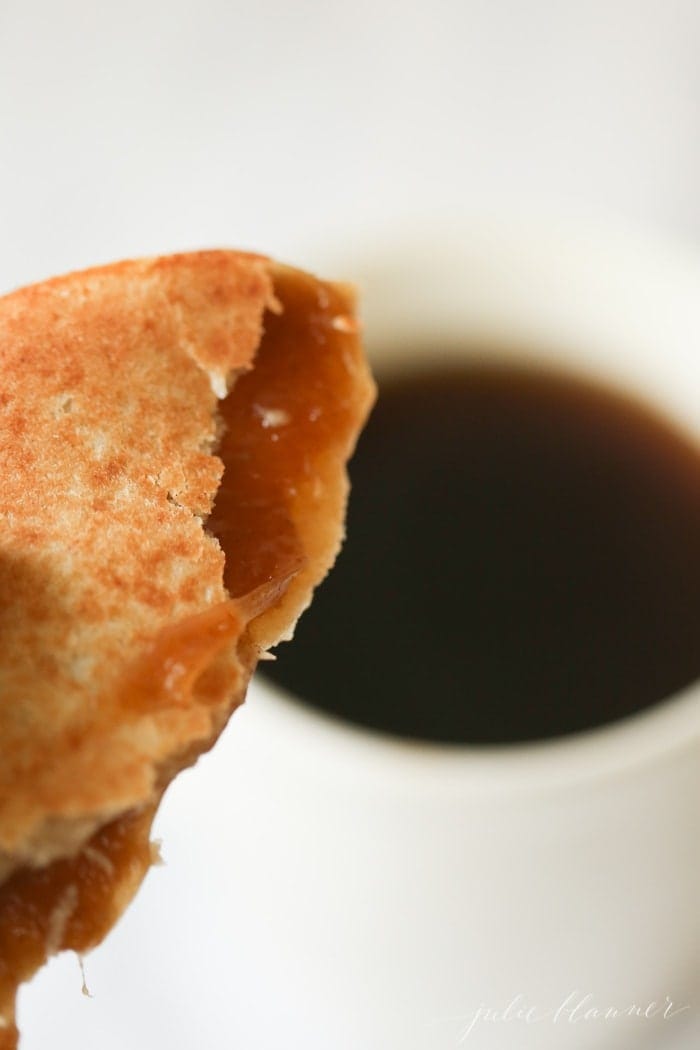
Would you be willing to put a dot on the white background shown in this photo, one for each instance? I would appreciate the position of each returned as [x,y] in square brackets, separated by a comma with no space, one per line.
[144,127]
[294,128]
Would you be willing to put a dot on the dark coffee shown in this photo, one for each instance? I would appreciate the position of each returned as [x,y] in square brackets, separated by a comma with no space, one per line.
[522,561]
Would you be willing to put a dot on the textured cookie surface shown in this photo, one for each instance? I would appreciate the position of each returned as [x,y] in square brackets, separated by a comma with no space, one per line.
[130,614]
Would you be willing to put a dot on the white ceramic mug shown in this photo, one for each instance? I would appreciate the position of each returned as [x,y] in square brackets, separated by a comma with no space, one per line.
[328,888]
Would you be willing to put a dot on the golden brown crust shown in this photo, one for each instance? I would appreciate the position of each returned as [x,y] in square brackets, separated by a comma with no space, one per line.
[123,650]
[108,421]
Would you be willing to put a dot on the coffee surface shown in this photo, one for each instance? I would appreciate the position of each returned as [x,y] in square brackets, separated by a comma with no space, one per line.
[522,562]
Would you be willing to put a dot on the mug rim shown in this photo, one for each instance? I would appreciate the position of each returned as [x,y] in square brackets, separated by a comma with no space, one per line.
[645,737]
[669,266]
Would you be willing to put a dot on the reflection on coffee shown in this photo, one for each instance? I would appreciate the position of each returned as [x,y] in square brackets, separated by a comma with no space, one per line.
[522,561]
